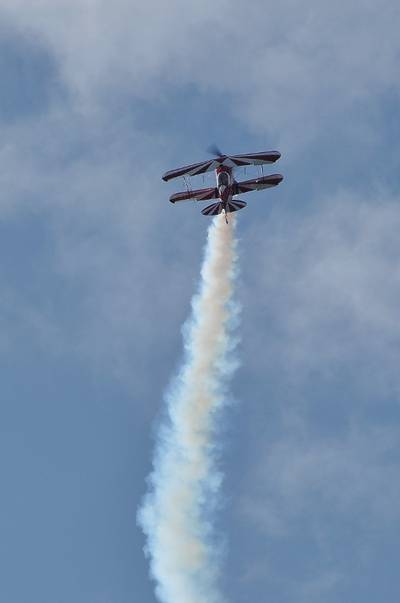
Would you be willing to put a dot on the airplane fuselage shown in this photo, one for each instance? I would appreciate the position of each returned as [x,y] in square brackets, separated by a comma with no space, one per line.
[225,183]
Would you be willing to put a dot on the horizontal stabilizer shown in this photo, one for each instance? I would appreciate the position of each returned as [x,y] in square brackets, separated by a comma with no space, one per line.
[216,208]
[235,205]
[212,210]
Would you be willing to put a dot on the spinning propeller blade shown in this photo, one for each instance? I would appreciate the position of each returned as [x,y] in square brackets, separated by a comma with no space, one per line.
[214,150]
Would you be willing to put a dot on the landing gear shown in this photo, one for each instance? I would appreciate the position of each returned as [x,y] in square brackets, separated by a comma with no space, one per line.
[226,216]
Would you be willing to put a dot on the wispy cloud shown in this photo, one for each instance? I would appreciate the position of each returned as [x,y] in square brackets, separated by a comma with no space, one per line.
[328,280]
[296,71]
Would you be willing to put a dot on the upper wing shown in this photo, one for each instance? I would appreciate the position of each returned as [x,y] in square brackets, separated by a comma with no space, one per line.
[254,158]
[257,184]
[203,194]
[190,170]
[227,160]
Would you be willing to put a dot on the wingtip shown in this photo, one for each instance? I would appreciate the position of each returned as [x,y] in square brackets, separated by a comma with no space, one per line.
[278,178]
[277,155]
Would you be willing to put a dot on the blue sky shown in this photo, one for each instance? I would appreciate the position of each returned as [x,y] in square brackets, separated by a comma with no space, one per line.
[97,272]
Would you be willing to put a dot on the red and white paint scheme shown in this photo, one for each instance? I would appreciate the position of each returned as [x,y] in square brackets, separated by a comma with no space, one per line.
[227,187]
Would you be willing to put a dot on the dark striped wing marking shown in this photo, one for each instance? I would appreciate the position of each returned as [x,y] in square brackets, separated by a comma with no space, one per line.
[258,184]
[212,210]
[231,161]
[235,205]
[216,208]
[203,194]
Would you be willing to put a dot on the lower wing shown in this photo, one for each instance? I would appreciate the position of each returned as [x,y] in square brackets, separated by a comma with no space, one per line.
[203,194]
[257,184]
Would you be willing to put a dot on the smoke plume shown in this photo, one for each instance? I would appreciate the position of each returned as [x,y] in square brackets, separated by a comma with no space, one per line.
[176,515]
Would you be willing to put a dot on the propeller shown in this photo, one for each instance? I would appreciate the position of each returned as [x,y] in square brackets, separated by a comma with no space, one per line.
[214,150]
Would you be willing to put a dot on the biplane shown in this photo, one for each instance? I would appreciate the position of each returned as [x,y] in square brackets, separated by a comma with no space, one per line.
[226,186]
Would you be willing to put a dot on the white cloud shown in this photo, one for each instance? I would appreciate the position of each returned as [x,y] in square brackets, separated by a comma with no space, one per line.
[321,285]
[102,212]
[328,276]
[325,284]
[330,499]
[353,474]
[288,68]
[321,327]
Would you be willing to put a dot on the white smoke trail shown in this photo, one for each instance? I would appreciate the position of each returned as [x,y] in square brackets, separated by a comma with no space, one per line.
[177,511]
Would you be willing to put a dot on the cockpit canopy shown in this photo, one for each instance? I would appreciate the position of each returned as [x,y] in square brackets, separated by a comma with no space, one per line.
[223,179]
